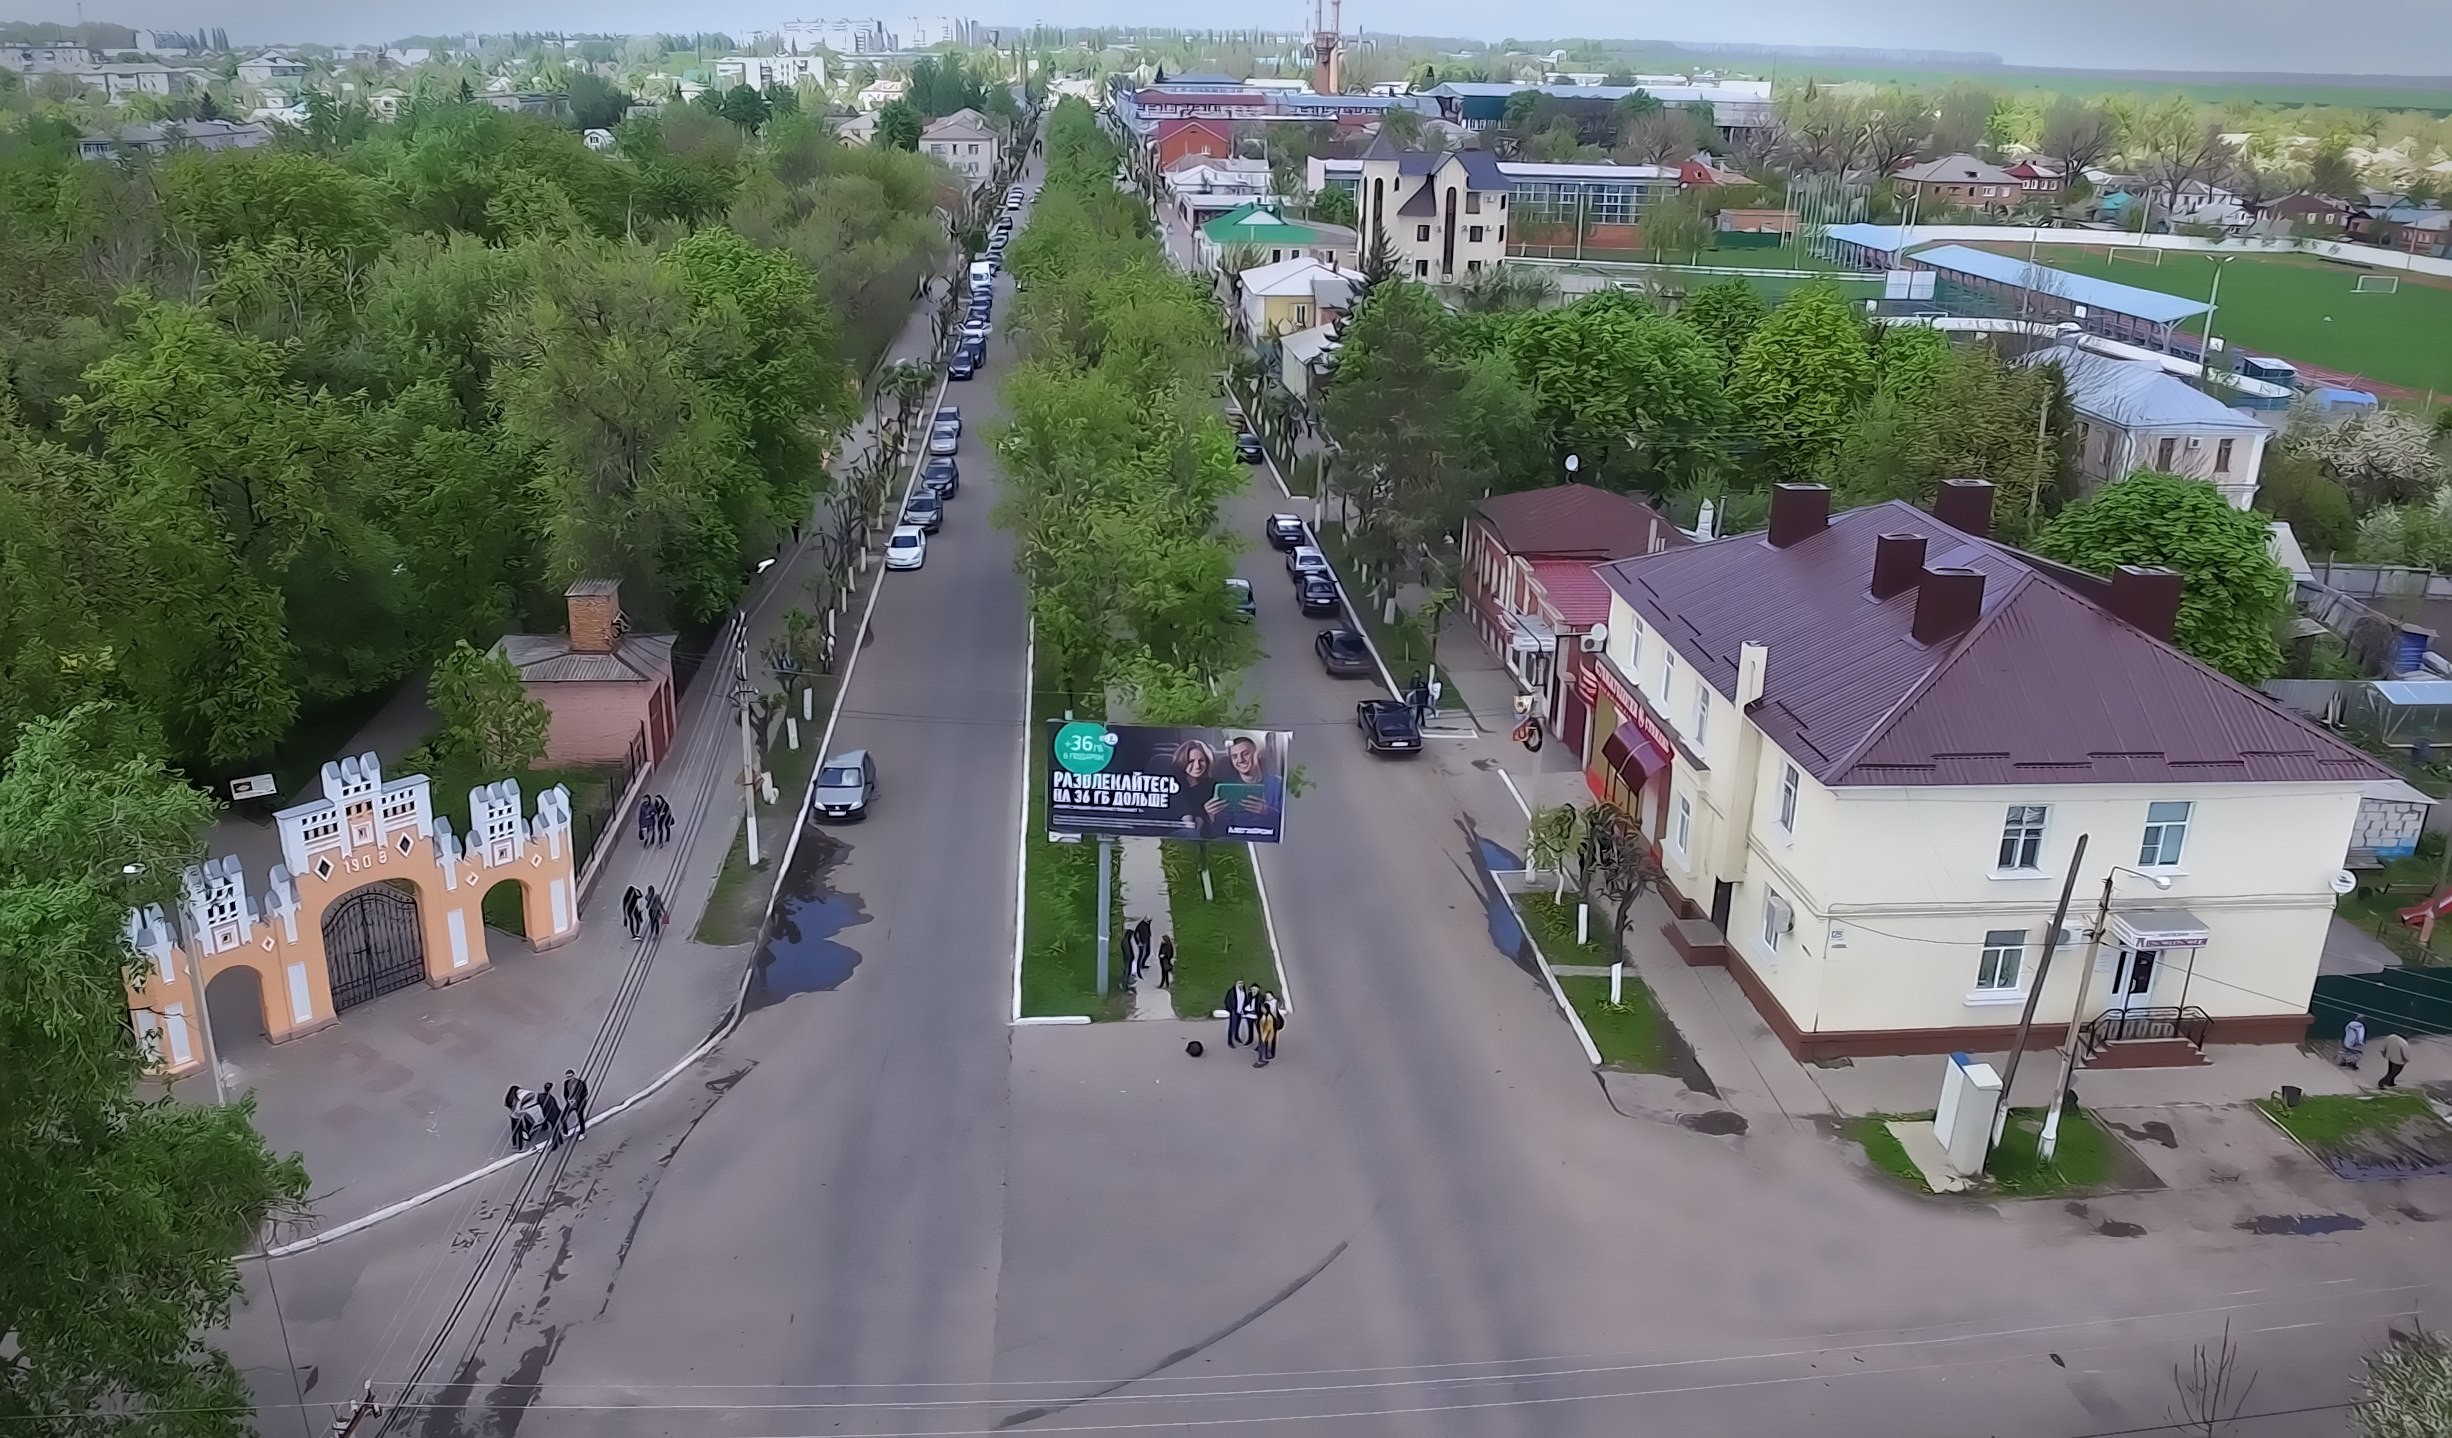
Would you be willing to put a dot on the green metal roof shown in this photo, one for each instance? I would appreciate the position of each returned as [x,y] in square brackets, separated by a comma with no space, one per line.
[1257,224]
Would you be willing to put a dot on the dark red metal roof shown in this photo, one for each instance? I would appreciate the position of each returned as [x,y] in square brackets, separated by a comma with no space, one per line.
[1575,520]
[2045,687]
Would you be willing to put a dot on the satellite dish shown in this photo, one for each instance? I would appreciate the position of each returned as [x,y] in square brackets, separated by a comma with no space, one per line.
[2344,882]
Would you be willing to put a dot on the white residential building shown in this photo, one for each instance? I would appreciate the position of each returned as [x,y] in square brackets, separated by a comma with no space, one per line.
[2133,414]
[46,59]
[1868,746]
[761,72]
[965,142]
[923,32]
[120,83]
[1444,212]
[273,69]
[843,37]
[878,94]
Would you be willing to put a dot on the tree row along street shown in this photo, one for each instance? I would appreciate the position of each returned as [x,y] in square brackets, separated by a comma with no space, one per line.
[879,1206]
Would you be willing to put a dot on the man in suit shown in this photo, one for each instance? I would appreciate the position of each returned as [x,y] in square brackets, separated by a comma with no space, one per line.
[552,1110]
[574,1101]
[1239,1008]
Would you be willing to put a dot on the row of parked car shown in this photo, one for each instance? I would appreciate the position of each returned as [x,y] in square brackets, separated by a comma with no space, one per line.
[1387,725]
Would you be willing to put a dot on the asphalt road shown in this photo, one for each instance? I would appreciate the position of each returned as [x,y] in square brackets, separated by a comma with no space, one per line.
[879,1209]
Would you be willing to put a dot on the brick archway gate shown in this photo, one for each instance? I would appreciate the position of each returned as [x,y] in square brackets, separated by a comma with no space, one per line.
[373,944]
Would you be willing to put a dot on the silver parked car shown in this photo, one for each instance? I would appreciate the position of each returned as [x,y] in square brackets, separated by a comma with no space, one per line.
[845,785]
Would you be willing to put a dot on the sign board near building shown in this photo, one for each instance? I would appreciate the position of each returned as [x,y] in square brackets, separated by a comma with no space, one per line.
[1167,781]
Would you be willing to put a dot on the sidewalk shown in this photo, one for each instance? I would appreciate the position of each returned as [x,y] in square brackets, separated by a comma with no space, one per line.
[405,1092]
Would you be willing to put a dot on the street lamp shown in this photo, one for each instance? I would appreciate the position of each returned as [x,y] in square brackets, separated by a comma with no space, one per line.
[2213,306]
[204,1011]
[2050,1141]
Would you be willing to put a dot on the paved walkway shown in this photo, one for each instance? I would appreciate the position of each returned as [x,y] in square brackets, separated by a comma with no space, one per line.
[405,1093]
[1143,875]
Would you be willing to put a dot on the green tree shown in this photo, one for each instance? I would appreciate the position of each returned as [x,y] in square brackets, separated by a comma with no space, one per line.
[1677,226]
[1394,407]
[2233,592]
[124,1214]
[1637,397]
[745,107]
[489,723]
[1520,109]
[595,103]
[899,125]
[1725,313]
[1800,377]
[2294,489]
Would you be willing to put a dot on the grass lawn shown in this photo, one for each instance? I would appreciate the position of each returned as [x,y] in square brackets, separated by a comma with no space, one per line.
[2088,1158]
[2297,307]
[2326,1119]
[736,903]
[589,784]
[1635,1035]
[1060,905]
[1217,941]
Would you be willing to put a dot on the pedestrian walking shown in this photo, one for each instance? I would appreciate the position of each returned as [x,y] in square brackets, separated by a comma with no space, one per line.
[1266,1023]
[647,818]
[574,1101]
[632,911]
[664,821]
[1166,962]
[1141,950]
[796,531]
[2395,1051]
[2354,1042]
[1238,1007]
[516,1100]
[1435,690]
[657,914]
[552,1111]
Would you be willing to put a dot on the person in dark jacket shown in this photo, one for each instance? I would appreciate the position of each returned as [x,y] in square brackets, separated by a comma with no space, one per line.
[632,914]
[1238,1005]
[516,1100]
[553,1113]
[1267,1020]
[1166,962]
[574,1101]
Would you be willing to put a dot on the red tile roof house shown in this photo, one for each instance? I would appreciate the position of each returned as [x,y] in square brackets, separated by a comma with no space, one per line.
[1869,745]
[1528,584]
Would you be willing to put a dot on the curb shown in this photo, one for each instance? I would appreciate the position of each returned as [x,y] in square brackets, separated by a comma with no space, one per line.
[1550,976]
[1021,822]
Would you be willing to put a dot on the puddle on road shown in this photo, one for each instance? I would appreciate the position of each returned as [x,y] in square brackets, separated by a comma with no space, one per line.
[801,954]
[2299,1224]
[1505,933]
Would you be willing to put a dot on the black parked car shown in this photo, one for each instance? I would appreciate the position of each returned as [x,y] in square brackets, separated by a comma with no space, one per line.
[1286,531]
[1247,448]
[943,477]
[1387,727]
[965,362]
[1317,594]
[1342,651]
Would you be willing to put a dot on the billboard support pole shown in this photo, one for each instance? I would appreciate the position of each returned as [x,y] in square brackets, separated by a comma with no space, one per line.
[1104,844]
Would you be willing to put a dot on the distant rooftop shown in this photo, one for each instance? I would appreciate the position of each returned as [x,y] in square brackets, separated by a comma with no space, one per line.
[2152,306]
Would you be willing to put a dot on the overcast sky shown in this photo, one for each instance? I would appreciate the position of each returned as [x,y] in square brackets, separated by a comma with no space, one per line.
[2403,37]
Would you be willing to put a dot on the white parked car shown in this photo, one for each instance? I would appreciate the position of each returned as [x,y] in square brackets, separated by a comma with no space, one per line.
[906,547]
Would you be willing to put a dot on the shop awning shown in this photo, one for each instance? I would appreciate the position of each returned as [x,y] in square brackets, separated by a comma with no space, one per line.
[1531,634]
[2158,929]
[1633,756]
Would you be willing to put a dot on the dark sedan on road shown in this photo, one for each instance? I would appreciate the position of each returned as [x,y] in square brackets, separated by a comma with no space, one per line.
[1387,727]
[966,361]
[1317,594]
[1247,448]
[1285,531]
[1342,651]
[943,477]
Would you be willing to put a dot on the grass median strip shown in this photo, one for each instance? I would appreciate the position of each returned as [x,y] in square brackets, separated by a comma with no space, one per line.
[1060,907]
[1220,940]
[2088,1159]
[1631,1034]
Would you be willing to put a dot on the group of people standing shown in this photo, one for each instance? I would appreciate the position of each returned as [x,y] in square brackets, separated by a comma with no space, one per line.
[1137,957]
[2354,1051]
[655,821]
[1254,1016]
[536,1112]
[645,912]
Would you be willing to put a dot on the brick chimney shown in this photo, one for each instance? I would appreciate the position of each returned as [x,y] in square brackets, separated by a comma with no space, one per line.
[2147,597]
[1966,506]
[1948,602]
[595,615]
[1898,559]
[1798,511]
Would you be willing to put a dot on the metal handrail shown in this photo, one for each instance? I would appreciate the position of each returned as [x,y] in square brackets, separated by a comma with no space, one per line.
[2186,1022]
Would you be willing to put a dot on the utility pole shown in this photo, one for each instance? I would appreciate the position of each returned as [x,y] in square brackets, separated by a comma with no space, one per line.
[1105,852]
[2050,1141]
[2034,993]
[742,694]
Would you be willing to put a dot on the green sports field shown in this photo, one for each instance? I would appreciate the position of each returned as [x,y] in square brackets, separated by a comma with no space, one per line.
[2299,308]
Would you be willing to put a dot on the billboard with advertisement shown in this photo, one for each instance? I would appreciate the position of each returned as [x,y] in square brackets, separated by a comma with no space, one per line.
[1167,781]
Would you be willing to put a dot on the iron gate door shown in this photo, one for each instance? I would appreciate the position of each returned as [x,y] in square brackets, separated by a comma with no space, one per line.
[372,945]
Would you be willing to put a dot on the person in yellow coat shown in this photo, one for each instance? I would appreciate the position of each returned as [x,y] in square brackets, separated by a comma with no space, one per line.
[1272,1018]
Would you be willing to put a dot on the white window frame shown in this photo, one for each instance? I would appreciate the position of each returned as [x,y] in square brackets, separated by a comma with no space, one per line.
[1789,785]
[2029,844]
[1778,917]
[2157,836]
[1634,649]
[1702,711]
[1681,832]
[1999,952]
